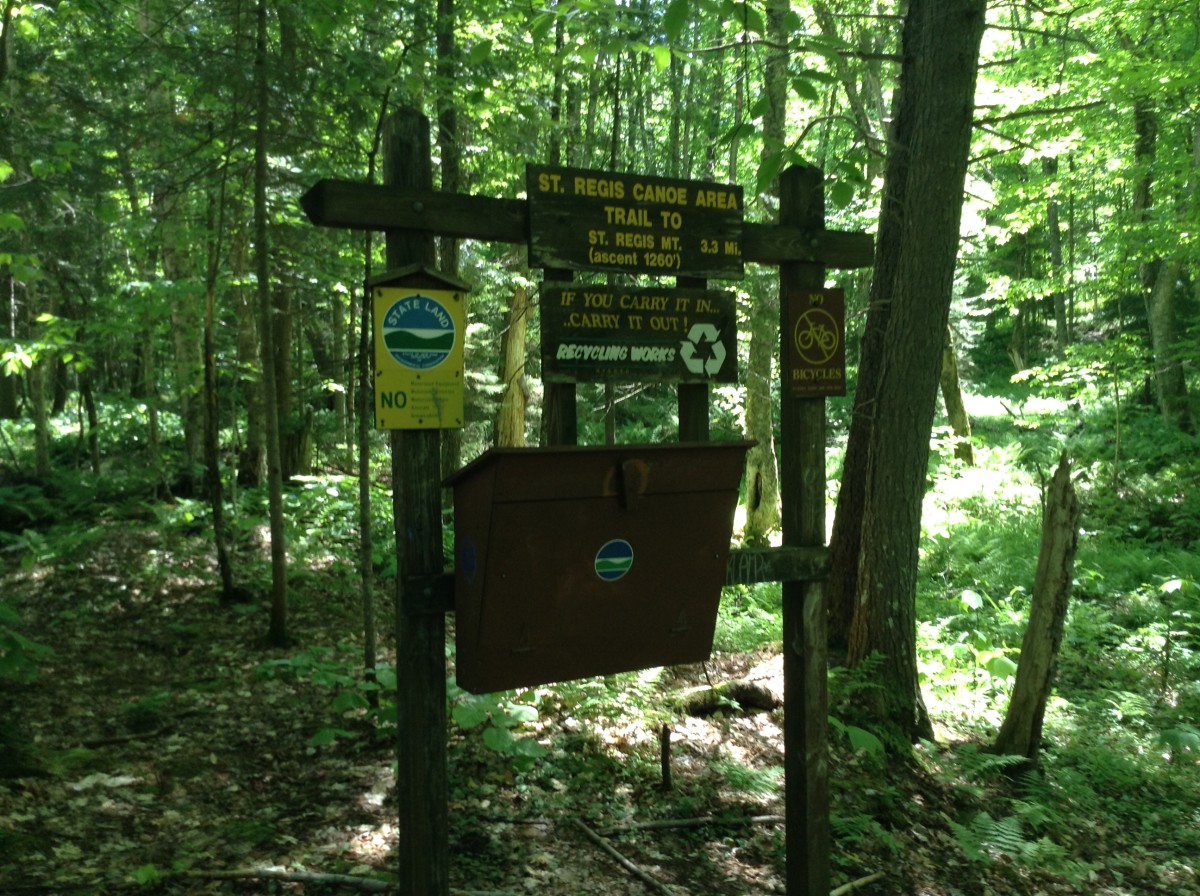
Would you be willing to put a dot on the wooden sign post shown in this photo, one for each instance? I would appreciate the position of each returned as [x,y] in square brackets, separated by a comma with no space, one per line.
[630,223]
[422,782]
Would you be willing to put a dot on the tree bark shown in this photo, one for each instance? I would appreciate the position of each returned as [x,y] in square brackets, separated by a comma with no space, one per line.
[1062,323]
[952,398]
[1169,380]
[762,469]
[1021,732]
[510,428]
[1159,278]
[277,631]
[906,326]
[252,458]
[451,170]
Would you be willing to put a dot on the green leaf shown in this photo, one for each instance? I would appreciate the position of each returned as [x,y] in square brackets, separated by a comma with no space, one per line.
[348,700]
[480,52]
[862,739]
[1000,667]
[675,18]
[11,221]
[972,600]
[529,748]
[6,170]
[747,16]
[1182,738]
[469,714]
[767,170]
[738,132]
[326,736]
[662,57]
[516,714]
[841,194]
[541,26]
[147,874]
[498,739]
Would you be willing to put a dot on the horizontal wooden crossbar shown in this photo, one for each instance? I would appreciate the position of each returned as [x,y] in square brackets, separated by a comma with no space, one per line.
[358,206]
[747,566]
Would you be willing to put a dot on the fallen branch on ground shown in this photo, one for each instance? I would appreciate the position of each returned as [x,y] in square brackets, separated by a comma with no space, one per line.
[747,695]
[856,884]
[663,824]
[629,866]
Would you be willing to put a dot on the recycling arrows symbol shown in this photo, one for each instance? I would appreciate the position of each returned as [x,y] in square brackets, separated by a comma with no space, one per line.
[697,336]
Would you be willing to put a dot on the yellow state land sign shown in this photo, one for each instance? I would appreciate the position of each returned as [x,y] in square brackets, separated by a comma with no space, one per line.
[419,335]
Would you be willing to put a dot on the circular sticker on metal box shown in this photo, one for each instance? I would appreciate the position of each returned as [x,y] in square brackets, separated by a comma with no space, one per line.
[614,559]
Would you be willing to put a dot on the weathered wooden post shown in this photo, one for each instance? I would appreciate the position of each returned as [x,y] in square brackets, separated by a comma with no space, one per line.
[421,778]
[805,652]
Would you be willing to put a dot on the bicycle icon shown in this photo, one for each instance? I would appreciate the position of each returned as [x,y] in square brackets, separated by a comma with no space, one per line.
[816,336]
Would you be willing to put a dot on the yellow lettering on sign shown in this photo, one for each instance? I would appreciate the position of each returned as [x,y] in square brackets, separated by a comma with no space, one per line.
[634,240]
[550,183]
[600,321]
[664,194]
[644,303]
[716,199]
[601,187]
[627,217]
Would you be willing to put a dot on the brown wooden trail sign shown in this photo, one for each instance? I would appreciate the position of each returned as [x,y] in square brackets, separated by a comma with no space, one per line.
[411,213]
[358,206]
[635,334]
[633,223]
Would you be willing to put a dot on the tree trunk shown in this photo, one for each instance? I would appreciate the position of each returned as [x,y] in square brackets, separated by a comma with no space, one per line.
[762,469]
[252,459]
[149,394]
[1021,732]
[451,168]
[212,447]
[1170,384]
[188,365]
[911,292]
[277,632]
[1159,277]
[88,398]
[292,433]
[9,383]
[952,397]
[1062,328]
[510,428]
[38,377]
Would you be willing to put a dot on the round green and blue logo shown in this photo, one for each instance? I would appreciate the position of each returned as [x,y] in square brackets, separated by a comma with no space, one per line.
[614,559]
[418,332]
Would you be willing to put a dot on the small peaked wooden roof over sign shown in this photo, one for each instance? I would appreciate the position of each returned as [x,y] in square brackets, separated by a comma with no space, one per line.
[418,275]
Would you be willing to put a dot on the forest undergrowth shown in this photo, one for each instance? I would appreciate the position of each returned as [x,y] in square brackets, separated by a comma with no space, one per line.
[150,742]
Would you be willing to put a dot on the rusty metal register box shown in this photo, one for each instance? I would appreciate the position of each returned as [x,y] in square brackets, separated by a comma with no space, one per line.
[580,561]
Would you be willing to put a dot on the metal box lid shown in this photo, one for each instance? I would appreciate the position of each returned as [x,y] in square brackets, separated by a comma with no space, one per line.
[580,561]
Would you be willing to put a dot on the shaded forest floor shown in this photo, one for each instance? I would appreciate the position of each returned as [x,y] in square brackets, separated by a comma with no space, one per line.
[164,744]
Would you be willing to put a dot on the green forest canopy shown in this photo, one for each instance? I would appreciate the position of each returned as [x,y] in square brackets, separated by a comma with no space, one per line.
[126,170]
[128,191]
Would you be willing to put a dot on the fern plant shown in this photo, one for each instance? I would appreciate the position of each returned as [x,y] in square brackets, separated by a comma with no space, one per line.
[987,839]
